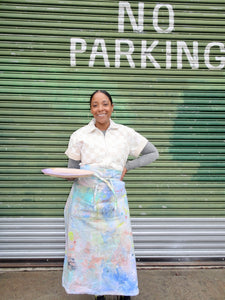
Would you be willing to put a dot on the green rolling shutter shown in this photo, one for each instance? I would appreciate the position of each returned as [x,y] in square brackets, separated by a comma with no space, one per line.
[169,87]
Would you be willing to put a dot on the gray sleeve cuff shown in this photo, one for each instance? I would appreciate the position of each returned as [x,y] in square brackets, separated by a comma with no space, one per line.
[73,163]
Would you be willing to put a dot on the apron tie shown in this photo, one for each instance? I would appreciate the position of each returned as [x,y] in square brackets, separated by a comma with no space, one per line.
[108,182]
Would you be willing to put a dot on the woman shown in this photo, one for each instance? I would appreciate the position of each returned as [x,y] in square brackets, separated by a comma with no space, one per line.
[99,256]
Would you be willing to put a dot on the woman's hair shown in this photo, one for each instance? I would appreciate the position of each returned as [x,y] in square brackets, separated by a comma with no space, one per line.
[104,92]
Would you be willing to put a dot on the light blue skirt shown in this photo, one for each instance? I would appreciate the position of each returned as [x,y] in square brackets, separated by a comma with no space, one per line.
[99,255]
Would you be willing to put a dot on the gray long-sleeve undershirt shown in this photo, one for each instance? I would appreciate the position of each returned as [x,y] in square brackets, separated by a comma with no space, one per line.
[148,155]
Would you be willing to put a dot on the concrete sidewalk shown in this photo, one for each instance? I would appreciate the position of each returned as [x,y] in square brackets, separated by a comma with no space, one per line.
[154,283]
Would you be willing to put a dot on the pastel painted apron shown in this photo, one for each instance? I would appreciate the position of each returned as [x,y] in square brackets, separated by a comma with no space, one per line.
[99,256]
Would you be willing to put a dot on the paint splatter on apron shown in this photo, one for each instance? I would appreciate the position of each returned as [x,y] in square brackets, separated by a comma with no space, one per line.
[99,257]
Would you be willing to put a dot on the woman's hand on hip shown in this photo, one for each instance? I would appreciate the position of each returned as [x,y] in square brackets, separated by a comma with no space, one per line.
[123,173]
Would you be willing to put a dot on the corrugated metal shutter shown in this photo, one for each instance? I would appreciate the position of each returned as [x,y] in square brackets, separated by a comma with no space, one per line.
[176,100]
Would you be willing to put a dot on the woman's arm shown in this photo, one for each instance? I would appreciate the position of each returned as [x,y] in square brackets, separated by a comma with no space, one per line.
[148,155]
[73,163]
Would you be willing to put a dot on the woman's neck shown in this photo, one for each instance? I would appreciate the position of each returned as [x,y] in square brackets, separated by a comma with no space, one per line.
[102,127]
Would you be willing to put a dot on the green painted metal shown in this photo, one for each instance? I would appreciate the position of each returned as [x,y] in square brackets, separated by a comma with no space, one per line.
[179,107]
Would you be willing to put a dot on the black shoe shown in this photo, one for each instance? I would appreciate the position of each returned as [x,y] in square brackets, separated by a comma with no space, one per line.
[100,298]
[125,298]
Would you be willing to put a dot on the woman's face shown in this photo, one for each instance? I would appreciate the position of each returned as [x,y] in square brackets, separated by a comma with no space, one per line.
[101,109]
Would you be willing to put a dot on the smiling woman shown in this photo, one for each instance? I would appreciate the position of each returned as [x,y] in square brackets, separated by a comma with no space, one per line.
[101,108]
[99,255]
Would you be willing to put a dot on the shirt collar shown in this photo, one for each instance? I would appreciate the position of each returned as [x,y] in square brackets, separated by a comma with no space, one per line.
[92,127]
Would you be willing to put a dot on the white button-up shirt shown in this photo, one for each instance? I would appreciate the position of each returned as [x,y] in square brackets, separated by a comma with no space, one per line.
[110,150]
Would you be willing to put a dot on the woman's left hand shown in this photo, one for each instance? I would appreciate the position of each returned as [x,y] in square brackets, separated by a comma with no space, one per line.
[123,173]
